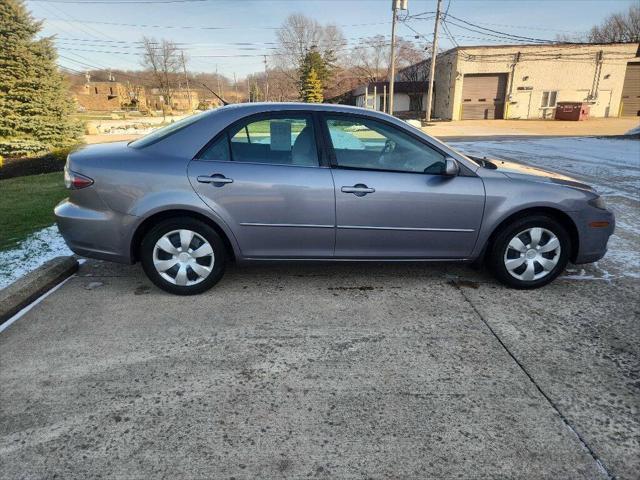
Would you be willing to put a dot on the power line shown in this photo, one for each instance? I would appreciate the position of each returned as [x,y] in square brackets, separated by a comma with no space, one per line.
[505,34]
[200,27]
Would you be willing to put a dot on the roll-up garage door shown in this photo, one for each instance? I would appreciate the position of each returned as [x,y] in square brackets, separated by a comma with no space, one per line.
[483,96]
[631,91]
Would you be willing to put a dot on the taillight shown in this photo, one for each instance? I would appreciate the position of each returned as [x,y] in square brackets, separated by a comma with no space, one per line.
[75,181]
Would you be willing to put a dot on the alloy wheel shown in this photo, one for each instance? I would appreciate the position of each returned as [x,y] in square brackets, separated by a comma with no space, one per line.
[532,254]
[183,257]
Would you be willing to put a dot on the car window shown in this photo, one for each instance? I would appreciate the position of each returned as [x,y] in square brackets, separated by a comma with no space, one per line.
[218,150]
[368,144]
[167,130]
[278,140]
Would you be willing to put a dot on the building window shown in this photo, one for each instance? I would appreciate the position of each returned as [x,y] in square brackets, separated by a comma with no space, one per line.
[549,99]
[96,89]
[111,90]
[383,102]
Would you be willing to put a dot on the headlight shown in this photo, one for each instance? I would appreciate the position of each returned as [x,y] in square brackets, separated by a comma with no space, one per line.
[598,202]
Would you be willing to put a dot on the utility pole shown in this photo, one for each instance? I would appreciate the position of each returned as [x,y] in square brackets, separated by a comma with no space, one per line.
[432,69]
[266,80]
[218,80]
[235,83]
[186,78]
[395,6]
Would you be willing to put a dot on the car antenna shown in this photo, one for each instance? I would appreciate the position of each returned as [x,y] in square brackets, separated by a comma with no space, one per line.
[224,102]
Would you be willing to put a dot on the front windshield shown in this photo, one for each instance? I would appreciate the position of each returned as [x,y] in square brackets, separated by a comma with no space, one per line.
[167,130]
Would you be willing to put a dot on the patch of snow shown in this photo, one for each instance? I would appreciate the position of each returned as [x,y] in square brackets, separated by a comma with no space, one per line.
[634,131]
[611,165]
[32,252]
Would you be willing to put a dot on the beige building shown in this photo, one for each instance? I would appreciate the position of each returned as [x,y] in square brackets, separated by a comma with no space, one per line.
[181,100]
[109,96]
[527,81]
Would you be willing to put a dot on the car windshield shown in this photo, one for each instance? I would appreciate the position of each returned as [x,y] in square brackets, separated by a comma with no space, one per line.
[166,131]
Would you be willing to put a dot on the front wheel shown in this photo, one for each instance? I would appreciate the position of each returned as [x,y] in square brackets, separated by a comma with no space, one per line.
[531,252]
[183,256]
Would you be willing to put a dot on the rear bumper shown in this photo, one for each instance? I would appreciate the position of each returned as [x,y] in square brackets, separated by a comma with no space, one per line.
[93,233]
[593,239]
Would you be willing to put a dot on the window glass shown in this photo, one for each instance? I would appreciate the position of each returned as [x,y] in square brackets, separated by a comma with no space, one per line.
[367,144]
[219,150]
[283,141]
[549,99]
[164,132]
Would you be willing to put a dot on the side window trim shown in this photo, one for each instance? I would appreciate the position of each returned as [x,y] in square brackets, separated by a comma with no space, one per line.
[332,154]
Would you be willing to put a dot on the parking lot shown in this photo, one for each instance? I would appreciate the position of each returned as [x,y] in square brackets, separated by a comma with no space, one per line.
[340,371]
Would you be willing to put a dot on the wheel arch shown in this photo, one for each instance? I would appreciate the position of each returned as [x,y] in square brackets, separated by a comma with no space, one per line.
[149,222]
[558,215]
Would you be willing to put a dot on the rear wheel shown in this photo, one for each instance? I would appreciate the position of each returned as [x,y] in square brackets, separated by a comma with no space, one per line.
[183,256]
[530,252]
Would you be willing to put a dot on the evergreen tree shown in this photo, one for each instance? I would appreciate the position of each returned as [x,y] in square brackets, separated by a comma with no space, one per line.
[313,60]
[312,89]
[35,106]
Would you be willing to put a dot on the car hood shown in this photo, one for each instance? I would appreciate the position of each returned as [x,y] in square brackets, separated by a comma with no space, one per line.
[525,172]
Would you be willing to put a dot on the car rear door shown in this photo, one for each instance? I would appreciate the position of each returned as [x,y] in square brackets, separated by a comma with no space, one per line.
[392,197]
[263,177]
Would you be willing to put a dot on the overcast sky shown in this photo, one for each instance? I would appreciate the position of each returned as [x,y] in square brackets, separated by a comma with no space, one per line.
[93,32]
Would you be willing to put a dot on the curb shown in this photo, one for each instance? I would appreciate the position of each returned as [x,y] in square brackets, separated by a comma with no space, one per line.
[26,289]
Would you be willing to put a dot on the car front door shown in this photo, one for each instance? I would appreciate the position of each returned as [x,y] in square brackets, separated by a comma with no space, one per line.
[393,199]
[263,177]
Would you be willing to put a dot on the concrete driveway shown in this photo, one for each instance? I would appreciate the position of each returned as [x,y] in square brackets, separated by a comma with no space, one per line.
[331,371]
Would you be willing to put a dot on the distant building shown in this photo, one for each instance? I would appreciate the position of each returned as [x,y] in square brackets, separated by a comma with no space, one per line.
[527,81]
[408,97]
[109,96]
[181,100]
[514,82]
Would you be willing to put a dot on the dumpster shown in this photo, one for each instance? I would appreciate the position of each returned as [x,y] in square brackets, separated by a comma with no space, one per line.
[572,111]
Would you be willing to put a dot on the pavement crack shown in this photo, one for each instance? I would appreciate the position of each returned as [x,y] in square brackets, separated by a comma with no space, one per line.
[565,420]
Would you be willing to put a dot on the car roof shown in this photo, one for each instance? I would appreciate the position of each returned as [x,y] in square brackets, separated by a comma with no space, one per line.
[258,107]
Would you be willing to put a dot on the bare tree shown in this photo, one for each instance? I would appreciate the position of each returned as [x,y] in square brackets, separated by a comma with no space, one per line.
[282,86]
[619,27]
[299,35]
[371,59]
[162,58]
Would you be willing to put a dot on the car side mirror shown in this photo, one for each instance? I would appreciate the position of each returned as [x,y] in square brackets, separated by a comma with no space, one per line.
[451,167]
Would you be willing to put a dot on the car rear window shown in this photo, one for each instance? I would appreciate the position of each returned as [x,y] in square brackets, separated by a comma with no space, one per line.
[167,131]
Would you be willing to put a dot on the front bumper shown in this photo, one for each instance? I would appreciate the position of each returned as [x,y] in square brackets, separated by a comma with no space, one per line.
[94,233]
[592,240]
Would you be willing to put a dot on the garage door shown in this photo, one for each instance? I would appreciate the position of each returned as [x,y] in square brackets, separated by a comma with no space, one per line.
[631,91]
[483,96]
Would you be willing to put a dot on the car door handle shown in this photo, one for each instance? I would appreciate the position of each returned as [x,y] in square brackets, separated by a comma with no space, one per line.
[216,179]
[359,190]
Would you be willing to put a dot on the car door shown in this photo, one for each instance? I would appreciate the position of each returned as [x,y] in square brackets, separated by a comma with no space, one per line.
[393,199]
[263,177]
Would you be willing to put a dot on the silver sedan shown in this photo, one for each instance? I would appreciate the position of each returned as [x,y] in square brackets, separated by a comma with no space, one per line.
[255,182]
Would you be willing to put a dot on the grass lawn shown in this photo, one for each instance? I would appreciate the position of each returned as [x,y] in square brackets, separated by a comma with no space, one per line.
[26,205]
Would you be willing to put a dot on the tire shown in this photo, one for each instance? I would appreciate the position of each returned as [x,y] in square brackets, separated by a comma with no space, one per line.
[178,270]
[523,255]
